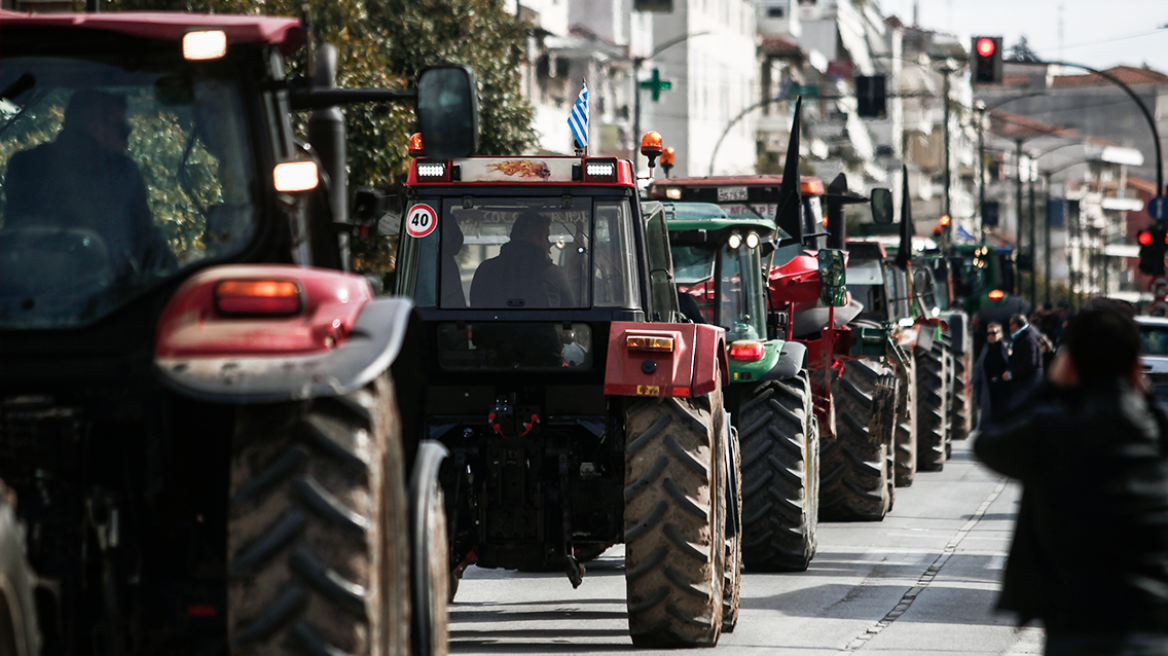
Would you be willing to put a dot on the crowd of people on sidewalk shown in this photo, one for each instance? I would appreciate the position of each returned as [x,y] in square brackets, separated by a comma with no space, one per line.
[1089,445]
[1012,358]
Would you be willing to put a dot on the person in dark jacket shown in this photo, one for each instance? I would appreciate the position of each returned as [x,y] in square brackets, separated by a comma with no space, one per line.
[1025,370]
[522,275]
[1089,556]
[85,180]
[992,391]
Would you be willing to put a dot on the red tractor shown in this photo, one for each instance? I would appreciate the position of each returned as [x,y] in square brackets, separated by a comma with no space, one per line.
[580,408]
[200,438]
[856,476]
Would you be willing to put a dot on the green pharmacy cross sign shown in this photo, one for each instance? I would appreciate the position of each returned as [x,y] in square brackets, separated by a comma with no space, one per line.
[656,84]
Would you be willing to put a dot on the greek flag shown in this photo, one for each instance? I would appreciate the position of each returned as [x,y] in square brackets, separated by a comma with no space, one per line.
[578,119]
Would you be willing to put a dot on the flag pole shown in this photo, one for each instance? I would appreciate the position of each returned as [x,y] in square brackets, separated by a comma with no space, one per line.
[588,117]
[578,120]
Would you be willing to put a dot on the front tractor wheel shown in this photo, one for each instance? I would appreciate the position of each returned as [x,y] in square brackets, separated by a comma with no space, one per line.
[780,515]
[857,471]
[318,539]
[674,522]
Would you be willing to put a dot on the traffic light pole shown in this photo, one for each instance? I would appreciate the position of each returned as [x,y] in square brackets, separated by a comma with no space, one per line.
[981,110]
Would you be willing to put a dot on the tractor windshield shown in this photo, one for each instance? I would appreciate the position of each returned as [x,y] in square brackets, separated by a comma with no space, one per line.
[527,253]
[728,289]
[119,171]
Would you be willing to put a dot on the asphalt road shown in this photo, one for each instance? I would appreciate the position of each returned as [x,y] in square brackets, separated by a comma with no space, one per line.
[923,581]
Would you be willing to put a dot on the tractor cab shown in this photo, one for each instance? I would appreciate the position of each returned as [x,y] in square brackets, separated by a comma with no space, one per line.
[555,350]
[754,197]
[714,260]
[522,262]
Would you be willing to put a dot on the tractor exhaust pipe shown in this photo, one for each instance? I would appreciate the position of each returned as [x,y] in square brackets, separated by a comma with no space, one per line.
[326,134]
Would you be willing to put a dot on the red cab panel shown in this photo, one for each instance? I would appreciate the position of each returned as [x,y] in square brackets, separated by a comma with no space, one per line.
[192,326]
[640,364]
[796,281]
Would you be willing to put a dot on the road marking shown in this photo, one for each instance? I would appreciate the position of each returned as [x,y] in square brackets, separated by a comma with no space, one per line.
[997,562]
[928,577]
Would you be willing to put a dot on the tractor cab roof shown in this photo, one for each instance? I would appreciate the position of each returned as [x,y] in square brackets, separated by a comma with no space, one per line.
[671,188]
[534,171]
[286,33]
[891,243]
[682,217]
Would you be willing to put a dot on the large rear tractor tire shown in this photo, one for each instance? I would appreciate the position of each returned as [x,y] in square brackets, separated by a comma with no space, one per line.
[18,621]
[933,405]
[781,512]
[906,424]
[960,340]
[675,540]
[856,464]
[318,537]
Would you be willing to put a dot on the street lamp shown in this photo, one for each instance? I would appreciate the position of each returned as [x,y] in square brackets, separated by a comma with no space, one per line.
[637,62]
[1139,103]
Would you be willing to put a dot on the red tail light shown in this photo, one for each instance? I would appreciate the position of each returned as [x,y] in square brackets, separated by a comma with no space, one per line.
[264,297]
[746,350]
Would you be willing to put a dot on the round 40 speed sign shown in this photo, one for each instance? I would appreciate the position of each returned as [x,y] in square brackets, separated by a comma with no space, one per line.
[421,220]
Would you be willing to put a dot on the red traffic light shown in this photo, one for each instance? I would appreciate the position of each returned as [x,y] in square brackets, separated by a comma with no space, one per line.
[985,46]
[1144,238]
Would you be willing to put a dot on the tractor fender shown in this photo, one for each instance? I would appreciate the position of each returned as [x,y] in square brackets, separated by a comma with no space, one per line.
[330,348]
[696,352]
[791,361]
[959,331]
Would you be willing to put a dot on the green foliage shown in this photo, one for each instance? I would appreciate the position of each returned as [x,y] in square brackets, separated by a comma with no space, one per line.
[383,45]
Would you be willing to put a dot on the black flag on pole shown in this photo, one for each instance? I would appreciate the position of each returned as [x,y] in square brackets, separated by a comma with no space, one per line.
[904,253]
[789,215]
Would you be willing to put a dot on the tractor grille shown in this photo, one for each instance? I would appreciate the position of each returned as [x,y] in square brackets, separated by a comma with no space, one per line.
[38,441]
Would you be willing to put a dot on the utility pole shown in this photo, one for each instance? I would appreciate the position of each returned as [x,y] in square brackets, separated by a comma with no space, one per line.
[1045,238]
[1033,229]
[945,232]
[1018,207]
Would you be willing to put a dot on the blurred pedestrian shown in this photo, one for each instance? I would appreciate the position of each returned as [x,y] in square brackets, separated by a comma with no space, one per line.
[1046,347]
[1089,556]
[1025,370]
[1048,320]
[992,361]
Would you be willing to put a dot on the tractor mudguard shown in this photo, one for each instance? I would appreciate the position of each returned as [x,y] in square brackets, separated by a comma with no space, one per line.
[672,360]
[959,330]
[341,339]
[811,319]
[790,363]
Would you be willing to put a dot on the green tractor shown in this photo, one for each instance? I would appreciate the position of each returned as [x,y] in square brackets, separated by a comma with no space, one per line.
[985,281]
[720,265]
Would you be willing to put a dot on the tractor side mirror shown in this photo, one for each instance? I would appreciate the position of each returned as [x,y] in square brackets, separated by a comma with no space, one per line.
[448,111]
[882,206]
[832,278]
[373,209]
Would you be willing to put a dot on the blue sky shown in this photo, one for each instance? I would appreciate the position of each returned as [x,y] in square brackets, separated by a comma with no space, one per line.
[1098,33]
